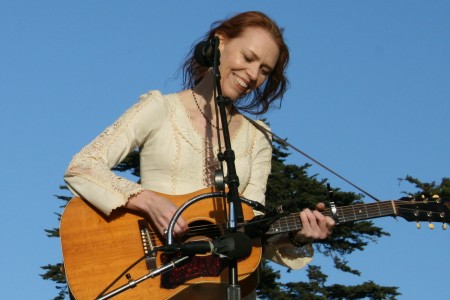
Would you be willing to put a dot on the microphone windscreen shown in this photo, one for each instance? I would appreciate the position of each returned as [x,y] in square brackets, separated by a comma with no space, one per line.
[203,53]
[235,245]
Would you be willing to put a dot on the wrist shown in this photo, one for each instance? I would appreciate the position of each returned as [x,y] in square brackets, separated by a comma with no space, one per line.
[139,201]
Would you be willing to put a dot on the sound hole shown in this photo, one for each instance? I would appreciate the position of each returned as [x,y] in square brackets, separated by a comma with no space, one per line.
[203,230]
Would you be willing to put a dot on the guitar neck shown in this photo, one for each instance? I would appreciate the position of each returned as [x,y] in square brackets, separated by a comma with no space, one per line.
[342,214]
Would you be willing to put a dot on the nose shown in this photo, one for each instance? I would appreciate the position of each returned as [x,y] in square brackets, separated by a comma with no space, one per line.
[252,72]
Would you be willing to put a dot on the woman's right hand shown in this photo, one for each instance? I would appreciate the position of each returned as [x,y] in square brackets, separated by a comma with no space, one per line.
[159,210]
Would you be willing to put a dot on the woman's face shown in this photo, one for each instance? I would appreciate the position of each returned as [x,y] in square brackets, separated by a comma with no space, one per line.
[246,61]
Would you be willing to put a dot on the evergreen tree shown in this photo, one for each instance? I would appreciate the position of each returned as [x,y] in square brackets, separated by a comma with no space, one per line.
[55,272]
[290,185]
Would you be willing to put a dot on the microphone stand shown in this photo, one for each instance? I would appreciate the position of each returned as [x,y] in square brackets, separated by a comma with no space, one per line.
[232,179]
[235,213]
[133,283]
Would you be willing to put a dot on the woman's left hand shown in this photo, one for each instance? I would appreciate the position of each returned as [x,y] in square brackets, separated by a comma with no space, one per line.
[315,226]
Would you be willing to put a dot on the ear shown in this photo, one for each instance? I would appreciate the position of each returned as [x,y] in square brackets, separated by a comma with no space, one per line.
[222,40]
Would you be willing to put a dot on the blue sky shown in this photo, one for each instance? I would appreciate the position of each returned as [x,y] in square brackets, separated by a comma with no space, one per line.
[369,97]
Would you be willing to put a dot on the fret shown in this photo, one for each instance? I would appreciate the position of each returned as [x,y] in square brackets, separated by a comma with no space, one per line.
[379,209]
[286,225]
[298,222]
[360,212]
[275,227]
[340,215]
[344,214]
[295,223]
[365,209]
[354,213]
[374,212]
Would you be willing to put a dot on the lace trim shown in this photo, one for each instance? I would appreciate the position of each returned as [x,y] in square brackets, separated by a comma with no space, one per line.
[91,162]
[176,159]
[207,152]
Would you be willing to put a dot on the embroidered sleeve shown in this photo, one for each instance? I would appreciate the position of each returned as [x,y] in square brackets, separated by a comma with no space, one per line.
[89,174]
[281,251]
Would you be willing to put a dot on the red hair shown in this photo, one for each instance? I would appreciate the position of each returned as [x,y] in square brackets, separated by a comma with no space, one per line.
[260,100]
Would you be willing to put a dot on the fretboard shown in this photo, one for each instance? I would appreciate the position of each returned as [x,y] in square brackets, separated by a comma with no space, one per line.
[343,214]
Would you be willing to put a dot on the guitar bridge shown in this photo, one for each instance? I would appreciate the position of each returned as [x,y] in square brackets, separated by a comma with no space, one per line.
[148,244]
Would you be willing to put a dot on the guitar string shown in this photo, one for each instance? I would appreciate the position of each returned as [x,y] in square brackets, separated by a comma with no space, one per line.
[354,212]
[351,216]
[373,209]
[381,209]
[292,220]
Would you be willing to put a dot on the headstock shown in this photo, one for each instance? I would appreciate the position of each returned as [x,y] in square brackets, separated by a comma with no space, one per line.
[430,209]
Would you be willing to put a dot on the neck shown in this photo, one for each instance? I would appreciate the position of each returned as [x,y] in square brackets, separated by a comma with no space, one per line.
[204,90]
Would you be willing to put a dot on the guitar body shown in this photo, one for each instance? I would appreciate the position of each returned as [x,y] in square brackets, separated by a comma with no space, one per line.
[97,250]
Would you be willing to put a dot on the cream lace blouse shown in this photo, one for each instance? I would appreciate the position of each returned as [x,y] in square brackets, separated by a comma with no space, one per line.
[175,160]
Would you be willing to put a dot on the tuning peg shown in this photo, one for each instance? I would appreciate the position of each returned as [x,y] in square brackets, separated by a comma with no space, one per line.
[431,225]
[418,225]
[444,226]
[436,198]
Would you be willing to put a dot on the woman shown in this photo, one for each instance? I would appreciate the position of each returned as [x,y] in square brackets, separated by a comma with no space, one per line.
[177,137]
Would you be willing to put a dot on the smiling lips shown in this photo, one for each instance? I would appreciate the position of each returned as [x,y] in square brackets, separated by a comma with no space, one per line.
[240,82]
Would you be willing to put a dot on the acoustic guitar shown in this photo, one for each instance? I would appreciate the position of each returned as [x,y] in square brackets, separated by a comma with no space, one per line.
[103,254]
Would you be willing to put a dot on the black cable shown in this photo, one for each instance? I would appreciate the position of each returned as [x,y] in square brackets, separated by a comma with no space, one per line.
[285,143]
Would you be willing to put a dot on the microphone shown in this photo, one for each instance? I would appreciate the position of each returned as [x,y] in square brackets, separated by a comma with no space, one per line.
[204,53]
[234,246]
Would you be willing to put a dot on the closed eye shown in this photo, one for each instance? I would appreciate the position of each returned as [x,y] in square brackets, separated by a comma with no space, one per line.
[265,71]
[248,58]
[252,57]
